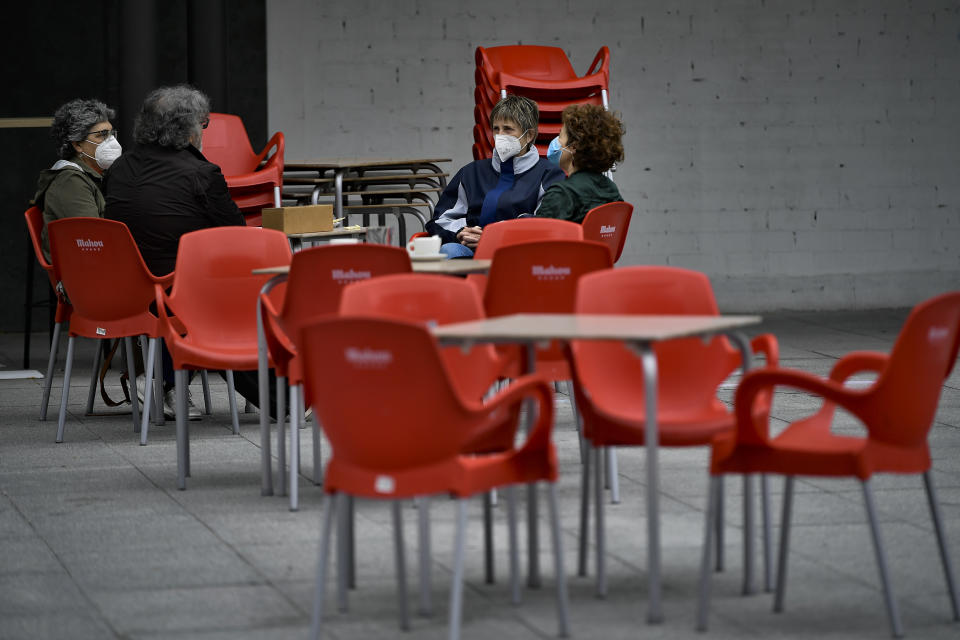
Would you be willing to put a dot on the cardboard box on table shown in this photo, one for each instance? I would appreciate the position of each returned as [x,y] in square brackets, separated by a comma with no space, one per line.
[306,219]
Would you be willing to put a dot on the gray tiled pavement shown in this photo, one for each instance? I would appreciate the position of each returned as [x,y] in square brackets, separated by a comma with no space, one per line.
[96,542]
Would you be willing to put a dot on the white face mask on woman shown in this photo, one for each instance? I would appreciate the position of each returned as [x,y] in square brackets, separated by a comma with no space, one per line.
[107,152]
[507,145]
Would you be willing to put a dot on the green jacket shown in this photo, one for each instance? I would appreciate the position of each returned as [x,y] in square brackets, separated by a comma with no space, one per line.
[570,199]
[68,189]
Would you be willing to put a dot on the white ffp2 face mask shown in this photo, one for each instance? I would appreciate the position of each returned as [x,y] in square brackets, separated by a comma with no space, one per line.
[107,152]
[507,145]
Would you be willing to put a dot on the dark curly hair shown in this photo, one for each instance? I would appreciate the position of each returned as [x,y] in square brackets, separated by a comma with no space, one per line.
[73,120]
[595,134]
[171,116]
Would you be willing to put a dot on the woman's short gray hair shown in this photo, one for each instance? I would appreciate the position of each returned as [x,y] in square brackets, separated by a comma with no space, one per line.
[520,109]
[171,116]
[72,123]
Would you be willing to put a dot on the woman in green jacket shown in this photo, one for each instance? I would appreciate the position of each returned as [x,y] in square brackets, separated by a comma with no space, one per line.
[86,145]
[588,145]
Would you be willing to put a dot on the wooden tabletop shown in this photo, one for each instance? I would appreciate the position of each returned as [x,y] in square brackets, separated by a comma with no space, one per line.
[359,163]
[336,233]
[571,326]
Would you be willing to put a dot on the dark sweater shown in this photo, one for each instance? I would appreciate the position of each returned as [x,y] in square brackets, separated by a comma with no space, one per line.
[573,197]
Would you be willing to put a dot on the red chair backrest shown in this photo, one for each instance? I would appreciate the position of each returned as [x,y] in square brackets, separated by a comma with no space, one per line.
[901,405]
[392,406]
[528,61]
[225,143]
[214,292]
[688,370]
[34,219]
[609,223]
[433,300]
[105,278]
[509,232]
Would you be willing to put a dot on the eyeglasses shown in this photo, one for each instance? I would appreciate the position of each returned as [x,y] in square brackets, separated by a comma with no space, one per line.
[103,134]
[205,123]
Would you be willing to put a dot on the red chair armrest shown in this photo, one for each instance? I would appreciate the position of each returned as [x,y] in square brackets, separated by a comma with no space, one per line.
[856,362]
[767,345]
[529,386]
[600,62]
[276,141]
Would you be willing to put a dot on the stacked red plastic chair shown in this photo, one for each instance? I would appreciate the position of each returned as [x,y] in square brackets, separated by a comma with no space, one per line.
[543,74]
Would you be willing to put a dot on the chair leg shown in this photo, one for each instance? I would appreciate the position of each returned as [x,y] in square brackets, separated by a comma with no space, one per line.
[514,547]
[132,380]
[315,435]
[577,419]
[281,436]
[456,588]
[266,462]
[147,390]
[598,522]
[892,610]
[718,524]
[767,533]
[748,552]
[942,543]
[784,544]
[584,509]
[180,377]
[714,492]
[232,397]
[159,417]
[400,559]
[561,574]
[205,382]
[51,362]
[294,450]
[423,515]
[94,377]
[613,476]
[65,395]
[328,517]
[342,552]
[488,538]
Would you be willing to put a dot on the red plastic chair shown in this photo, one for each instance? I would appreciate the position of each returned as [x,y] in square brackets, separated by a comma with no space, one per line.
[254,180]
[897,411]
[213,297]
[608,376]
[110,290]
[409,442]
[541,277]
[609,224]
[34,220]
[541,71]
[313,288]
[510,232]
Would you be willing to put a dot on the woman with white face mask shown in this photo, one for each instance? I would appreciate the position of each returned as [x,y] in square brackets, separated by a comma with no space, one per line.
[498,188]
[86,145]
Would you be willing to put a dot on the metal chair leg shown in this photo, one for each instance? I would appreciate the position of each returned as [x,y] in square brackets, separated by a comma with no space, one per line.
[703,591]
[205,381]
[328,517]
[514,547]
[95,376]
[51,362]
[767,533]
[613,476]
[784,544]
[294,481]
[719,525]
[158,381]
[488,564]
[584,509]
[281,436]
[65,395]
[132,379]
[456,589]
[561,574]
[598,507]
[893,612]
[180,376]
[748,552]
[148,390]
[400,559]
[942,543]
[232,397]
[423,515]
[342,552]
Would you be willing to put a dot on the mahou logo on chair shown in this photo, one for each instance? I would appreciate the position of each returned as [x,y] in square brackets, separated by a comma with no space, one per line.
[89,245]
[345,276]
[607,229]
[367,358]
[549,273]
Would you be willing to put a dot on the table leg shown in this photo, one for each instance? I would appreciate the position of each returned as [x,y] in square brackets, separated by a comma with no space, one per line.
[649,361]
[338,194]
[533,530]
[263,376]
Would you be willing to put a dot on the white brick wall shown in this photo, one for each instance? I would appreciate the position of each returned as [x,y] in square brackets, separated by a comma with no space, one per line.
[803,154]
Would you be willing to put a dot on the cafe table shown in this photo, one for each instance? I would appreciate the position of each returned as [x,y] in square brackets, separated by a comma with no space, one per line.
[448,267]
[639,333]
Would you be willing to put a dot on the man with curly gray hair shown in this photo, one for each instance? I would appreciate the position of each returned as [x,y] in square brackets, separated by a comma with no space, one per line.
[86,145]
[165,188]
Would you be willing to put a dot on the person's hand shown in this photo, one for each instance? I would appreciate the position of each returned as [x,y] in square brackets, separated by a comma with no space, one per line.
[469,236]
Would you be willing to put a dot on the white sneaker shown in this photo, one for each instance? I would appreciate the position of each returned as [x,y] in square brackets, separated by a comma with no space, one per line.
[170,406]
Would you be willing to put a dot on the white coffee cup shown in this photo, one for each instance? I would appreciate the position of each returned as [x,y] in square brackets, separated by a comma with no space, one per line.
[424,246]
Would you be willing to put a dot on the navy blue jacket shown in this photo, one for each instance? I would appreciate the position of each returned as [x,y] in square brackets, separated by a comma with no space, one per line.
[461,201]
